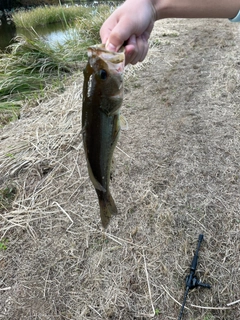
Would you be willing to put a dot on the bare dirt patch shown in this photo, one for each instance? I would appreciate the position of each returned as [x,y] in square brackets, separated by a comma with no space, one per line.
[176,176]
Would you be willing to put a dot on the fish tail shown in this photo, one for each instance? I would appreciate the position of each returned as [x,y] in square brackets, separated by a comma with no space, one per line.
[107,207]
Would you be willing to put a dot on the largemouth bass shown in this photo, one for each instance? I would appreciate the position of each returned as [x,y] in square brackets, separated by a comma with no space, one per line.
[102,99]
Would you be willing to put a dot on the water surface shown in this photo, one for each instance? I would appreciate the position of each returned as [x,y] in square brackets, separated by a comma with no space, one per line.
[52,33]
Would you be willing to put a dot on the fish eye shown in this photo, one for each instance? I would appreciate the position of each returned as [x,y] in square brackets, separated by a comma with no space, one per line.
[103,74]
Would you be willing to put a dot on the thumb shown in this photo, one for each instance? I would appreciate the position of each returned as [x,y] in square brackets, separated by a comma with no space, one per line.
[118,35]
[111,47]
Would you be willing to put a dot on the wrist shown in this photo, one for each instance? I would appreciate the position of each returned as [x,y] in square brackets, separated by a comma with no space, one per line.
[166,9]
[158,9]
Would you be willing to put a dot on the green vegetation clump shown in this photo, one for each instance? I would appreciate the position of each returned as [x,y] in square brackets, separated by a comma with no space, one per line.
[30,68]
[33,65]
[43,16]
[7,196]
[3,244]
[27,3]
[90,27]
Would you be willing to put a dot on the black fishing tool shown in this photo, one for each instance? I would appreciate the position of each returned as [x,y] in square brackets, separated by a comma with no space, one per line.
[191,280]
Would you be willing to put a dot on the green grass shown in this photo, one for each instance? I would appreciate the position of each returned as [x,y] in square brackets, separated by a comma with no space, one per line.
[3,244]
[7,196]
[33,65]
[30,66]
[43,16]
[90,27]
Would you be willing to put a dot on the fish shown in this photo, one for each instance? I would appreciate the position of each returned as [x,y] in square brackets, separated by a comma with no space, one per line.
[101,102]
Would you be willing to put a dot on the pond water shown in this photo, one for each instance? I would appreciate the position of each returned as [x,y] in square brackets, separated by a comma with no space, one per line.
[53,33]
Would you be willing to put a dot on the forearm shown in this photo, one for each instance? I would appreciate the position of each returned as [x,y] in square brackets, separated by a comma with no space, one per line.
[196,8]
[133,21]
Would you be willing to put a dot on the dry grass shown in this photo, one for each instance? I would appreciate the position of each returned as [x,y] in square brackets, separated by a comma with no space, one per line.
[176,176]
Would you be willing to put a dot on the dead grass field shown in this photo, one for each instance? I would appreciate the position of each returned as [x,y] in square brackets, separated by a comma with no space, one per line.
[176,176]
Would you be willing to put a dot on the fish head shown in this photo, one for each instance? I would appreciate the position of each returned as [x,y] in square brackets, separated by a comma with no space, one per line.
[105,76]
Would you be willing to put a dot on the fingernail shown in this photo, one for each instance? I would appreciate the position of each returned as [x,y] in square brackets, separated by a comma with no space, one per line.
[110,47]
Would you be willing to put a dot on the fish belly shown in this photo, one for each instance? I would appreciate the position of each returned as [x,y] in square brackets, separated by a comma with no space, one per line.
[100,141]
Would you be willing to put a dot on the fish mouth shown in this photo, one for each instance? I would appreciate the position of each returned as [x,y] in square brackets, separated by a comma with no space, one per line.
[99,50]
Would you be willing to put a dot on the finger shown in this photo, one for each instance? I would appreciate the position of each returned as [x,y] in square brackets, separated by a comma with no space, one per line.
[120,33]
[140,50]
[131,50]
[107,28]
[136,49]
[144,48]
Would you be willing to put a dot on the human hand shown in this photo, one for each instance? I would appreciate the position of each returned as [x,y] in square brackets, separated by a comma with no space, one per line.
[131,24]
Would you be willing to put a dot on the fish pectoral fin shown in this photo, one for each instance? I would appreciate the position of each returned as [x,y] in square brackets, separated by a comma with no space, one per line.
[123,122]
[110,106]
[97,184]
[107,207]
